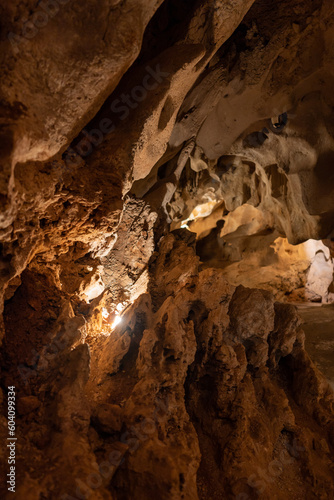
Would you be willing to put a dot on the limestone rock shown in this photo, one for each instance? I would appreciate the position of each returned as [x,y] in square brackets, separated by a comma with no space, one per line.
[27,404]
[108,418]
[165,167]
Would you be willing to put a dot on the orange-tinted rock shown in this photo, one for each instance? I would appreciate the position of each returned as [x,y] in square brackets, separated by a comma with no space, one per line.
[141,371]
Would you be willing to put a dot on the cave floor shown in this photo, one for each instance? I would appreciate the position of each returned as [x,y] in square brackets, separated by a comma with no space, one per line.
[318,325]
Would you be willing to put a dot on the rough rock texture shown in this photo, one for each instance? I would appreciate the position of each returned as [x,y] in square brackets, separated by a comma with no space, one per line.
[203,391]
[141,369]
[291,272]
[96,57]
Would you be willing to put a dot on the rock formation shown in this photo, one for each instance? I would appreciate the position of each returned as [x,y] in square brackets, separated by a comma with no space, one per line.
[166,185]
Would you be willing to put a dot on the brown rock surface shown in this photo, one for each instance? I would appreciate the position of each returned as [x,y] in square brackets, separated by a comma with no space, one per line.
[149,360]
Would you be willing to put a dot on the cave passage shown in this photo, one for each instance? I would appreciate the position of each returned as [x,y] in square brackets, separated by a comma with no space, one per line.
[166,250]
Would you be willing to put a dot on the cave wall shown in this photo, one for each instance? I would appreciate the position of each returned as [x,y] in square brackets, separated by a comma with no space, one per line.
[124,124]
